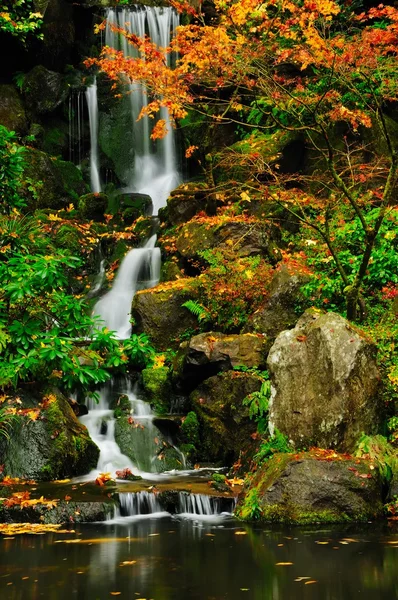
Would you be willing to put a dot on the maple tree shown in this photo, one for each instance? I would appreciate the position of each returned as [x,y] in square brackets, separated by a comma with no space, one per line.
[317,69]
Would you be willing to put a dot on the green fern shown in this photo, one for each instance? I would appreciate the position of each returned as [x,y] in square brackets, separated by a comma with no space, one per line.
[200,312]
[4,339]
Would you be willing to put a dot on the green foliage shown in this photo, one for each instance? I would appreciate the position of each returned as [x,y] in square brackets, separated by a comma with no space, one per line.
[251,508]
[20,19]
[258,404]
[326,287]
[11,170]
[378,449]
[198,310]
[190,429]
[277,443]
[7,420]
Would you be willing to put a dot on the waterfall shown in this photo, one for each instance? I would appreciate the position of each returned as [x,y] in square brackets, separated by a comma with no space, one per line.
[187,506]
[75,117]
[92,103]
[140,269]
[155,170]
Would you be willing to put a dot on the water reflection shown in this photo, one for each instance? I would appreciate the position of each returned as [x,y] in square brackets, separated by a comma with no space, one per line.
[166,559]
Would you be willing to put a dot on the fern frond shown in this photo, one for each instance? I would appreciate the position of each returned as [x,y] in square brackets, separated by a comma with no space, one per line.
[198,310]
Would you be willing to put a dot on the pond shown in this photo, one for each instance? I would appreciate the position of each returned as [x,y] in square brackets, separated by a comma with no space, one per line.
[192,559]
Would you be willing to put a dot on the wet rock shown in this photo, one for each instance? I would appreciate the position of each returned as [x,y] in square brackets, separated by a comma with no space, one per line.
[309,489]
[157,387]
[146,446]
[207,354]
[44,90]
[63,512]
[93,206]
[185,202]
[56,182]
[325,383]
[279,311]
[159,312]
[247,238]
[225,426]
[53,446]
[12,110]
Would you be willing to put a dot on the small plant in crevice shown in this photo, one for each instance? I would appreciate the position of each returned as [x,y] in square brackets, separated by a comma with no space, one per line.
[258,405]
[278,443]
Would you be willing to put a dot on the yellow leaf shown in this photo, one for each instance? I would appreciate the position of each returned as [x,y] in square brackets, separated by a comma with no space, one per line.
[284,564]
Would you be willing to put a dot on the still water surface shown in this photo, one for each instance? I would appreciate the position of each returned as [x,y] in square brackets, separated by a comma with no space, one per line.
[188,560]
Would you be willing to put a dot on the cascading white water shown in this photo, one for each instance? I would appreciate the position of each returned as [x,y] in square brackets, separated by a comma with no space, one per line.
[188,506]
[92,103]
[113,309]
[155,170]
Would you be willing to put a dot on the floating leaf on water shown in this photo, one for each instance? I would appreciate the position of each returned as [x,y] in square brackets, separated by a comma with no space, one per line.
[127,562]
[302,578]
[244,589]
[321,543]
[311,581]
[115,593]
[240,532]
[153,534]
[283,564]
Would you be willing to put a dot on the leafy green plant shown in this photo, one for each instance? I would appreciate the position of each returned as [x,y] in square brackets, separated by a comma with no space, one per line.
[11,170]
[19,19]
[251,509]
[198,310]
[381,452]
[258,405]
[7,420]
[271,446]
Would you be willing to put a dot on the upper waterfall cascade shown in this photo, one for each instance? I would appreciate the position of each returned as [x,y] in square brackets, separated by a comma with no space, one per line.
[154,170]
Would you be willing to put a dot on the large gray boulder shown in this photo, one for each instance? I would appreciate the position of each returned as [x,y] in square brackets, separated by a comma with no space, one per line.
[325,383]
[44,90]
[316,487]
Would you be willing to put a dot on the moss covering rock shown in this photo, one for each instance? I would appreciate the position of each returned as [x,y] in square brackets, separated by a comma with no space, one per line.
[313,488]
[185,202]
[157,387]
[225,426]
[55,183]
[12,110]
[93,206]
[47,441]
[159,312]
[247,237]
[44,90]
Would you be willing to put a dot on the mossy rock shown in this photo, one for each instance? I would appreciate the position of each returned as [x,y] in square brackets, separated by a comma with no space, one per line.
[116,133]
[53,446]
[157,387]
[12,110]
[273,148]
[225,425]
[55,138]
[93,206]
[57,183]
[246,237]
[313,488]
[159,312]
[185,202]
[69,238]
[44,90]
[145,446]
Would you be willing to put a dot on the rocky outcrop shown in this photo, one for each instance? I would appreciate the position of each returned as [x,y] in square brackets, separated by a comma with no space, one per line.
[159,312]
[12,110]
[207,354]
[185,202]
[47,441]
[279,311]
[44,90]
[56,182]
[93,206]
[325,382]
[246,237]
[157,388]
[313,488]
[225,426]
